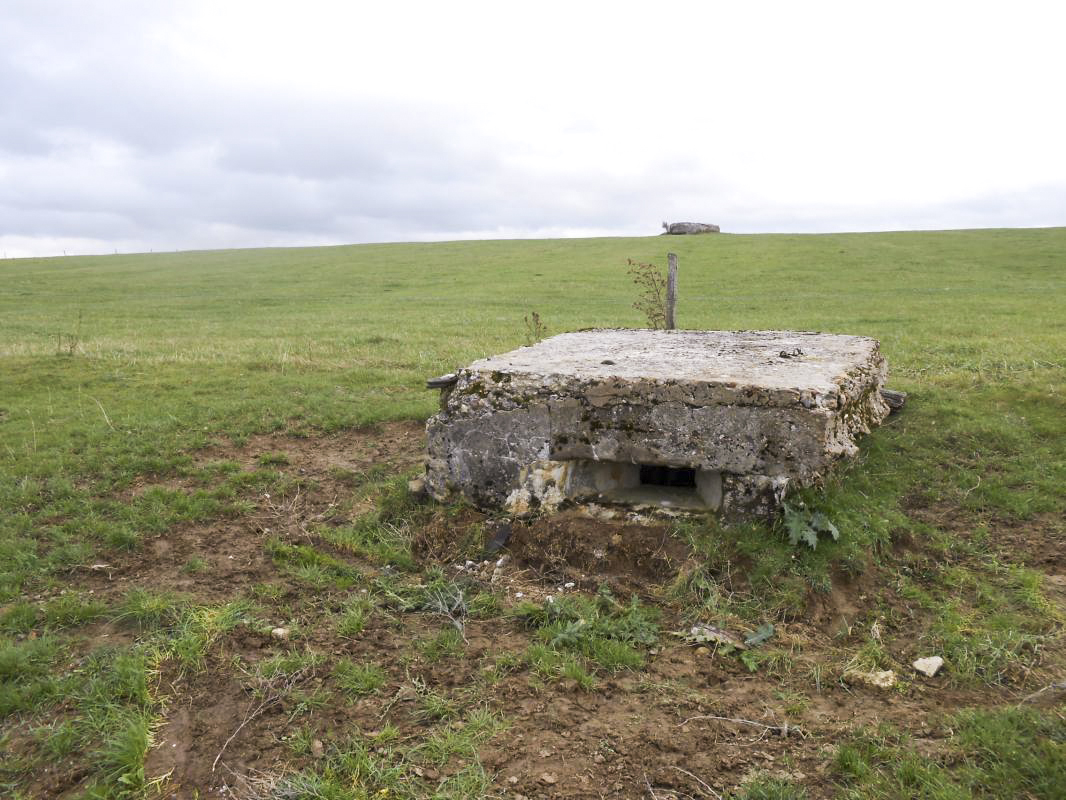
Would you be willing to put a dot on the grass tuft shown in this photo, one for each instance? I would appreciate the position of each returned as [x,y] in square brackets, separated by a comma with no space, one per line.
[358,680]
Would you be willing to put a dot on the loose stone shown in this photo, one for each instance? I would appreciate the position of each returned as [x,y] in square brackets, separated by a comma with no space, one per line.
[879,679]
[929,666]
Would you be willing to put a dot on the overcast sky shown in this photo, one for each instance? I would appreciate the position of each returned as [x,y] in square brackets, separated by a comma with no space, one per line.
[131,126]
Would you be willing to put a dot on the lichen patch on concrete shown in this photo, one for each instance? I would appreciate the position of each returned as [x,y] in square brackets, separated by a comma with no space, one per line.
[724,421]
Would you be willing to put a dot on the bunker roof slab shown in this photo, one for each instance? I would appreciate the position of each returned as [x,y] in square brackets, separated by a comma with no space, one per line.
[783,364]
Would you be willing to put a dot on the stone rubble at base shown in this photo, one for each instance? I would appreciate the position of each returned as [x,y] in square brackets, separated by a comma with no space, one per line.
[723,421]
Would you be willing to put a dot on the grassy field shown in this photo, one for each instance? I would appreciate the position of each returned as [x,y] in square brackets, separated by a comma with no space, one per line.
[211,574]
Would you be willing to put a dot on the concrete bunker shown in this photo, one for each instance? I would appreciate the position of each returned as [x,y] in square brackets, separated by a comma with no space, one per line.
[720,421]
[623,483]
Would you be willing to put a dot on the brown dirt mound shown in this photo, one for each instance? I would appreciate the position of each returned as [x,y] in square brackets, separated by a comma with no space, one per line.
[571,547]
[561,548]
[449,536]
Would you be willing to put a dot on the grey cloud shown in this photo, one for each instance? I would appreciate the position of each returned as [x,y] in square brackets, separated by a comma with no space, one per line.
[105,137]
[190,155]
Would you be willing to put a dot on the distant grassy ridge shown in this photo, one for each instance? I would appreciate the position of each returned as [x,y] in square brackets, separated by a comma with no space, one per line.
[337,336]
[329,306]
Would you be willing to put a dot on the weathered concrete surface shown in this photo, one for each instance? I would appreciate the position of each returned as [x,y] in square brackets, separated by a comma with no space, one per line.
[751,413]
[682,228]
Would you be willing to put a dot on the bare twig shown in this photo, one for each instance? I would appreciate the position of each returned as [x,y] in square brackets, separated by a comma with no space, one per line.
[95,568]
[269,701]
[257,785]
[700,781]
[259,709]
[1051,687]
[650,790]
[107,419]
[392,701]
[783,730]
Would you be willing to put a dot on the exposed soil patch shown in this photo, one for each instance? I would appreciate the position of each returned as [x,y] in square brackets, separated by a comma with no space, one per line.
[450,536]
[565,548]
[570,547]
[214,561]
[588,742]
[636,733]
[1038,542]
[848,602]
[58,779]
[399,444]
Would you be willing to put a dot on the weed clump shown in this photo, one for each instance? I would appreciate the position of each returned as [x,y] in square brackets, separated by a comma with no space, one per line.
[651,285]
[535,328]
[273,459]
[353,617]
[601,630]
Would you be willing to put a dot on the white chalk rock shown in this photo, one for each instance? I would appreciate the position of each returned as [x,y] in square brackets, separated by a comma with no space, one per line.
[929,666]
[879,679]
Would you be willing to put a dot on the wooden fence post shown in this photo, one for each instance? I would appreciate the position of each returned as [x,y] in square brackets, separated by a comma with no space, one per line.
[671,290]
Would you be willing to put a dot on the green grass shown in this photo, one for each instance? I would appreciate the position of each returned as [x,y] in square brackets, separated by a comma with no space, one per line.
[446,643]
[108,707]
[359,679]
[147,609]
[312,567]
[273,459]
[353,617]
[767,787]
[290,663]
[194,565]
[603,631]
[1002,753]
[461,739]
[436,706]
[358,768]
[970,322]
[382,535]
[117,372]
[550,663]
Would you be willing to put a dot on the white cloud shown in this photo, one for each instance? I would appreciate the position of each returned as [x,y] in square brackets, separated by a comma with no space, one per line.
[126,125]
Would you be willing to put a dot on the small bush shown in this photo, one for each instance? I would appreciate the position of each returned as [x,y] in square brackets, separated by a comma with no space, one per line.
[535,328]
[651,284]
